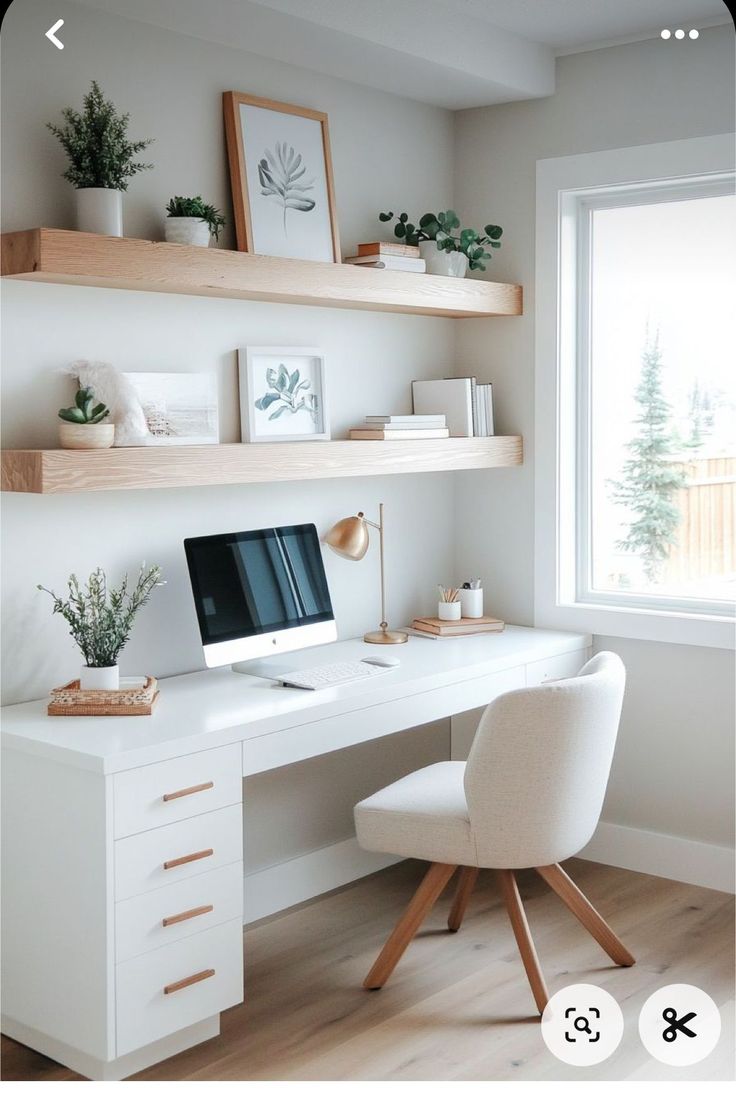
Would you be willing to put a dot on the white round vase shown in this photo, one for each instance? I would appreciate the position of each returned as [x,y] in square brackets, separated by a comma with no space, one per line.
[187,229]
[100,211]
[99,679]
[443,263]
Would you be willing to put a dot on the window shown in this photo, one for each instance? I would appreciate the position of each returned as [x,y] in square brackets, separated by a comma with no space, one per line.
[635,466]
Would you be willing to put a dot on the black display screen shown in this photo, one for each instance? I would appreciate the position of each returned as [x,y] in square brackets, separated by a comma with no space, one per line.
[255,582]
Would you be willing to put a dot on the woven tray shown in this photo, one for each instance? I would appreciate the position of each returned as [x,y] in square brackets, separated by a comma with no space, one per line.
[71,701]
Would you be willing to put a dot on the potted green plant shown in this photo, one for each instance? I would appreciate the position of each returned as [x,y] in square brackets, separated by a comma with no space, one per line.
[447,254]
[101,160]
[83,425]
[100,621]
[190,220]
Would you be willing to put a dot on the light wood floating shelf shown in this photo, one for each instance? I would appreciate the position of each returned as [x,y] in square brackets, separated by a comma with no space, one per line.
[62,471]
[79,258]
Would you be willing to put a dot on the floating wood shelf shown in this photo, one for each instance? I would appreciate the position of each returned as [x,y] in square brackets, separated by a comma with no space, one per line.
[60,471]
[79,258]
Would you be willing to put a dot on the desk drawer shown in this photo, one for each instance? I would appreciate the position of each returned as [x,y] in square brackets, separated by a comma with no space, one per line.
[147,922]
[560,667]
[203,974]
[178,851]
[163,793]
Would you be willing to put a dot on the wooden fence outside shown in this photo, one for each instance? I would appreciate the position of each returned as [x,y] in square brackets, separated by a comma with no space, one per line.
[706,537]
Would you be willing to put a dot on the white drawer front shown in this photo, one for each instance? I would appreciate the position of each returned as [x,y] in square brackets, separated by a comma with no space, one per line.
[154,859]
[146,1013]
[561,667]
[143,923]
[193,784]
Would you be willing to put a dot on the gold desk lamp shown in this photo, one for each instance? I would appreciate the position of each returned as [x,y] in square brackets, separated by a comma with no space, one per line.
[349,538]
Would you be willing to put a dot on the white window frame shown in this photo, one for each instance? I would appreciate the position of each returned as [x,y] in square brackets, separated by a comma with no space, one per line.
[568,189]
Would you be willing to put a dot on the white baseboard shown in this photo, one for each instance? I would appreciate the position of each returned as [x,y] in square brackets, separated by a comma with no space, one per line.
[288,883]
[704,864]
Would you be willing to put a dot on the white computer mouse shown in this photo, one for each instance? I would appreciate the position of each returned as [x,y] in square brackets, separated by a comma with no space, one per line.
[382,662]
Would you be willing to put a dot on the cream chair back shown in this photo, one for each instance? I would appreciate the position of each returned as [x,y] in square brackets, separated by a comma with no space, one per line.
[538,768]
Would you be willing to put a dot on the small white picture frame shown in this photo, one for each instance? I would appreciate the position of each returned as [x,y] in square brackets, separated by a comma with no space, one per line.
[179,407]
[283,394]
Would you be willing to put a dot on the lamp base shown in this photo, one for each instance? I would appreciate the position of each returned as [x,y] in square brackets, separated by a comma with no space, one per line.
[385,637]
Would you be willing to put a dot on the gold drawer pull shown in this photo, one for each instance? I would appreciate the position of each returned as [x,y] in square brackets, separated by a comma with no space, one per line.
[182,983]
[185,915]
[189,790]
[187,858]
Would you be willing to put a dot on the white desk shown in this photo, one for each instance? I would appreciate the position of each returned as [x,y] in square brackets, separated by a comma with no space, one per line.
[97,862]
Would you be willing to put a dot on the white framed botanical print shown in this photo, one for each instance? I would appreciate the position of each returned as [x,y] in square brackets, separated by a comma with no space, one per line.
[281,177]
[283,394]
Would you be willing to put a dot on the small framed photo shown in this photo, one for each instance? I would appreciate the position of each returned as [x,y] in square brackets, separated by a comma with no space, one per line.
[281,176]
[283,394]
[179,407]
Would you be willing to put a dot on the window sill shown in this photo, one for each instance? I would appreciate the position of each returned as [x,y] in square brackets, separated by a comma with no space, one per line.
[709,631]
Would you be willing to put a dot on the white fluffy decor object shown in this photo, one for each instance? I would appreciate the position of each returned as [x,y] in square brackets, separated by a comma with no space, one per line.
[117,392]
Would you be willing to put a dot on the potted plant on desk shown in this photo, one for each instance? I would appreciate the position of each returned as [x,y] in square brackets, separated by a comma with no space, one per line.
[83,425]
[190,220]
[100,621]
[446,254]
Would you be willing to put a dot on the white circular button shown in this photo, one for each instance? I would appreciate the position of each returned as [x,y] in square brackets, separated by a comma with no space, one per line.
[679,34]
[693,34]
[666,34]
[582,1025]
[679,1024]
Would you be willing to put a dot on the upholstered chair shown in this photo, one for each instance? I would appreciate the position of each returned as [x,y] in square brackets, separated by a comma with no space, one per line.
[528,797]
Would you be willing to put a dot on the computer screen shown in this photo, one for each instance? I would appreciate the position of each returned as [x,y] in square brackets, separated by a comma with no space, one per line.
[259,592]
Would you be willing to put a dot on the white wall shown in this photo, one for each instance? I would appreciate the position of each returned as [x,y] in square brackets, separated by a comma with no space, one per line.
[386,152]
[673,767]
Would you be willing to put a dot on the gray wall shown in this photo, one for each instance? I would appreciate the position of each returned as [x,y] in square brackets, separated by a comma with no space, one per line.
[674,762]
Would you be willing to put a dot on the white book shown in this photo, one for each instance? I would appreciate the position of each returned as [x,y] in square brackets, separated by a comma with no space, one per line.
[451,397]
[398,434]
[404,426]
[427,420]
[389,261]
[488,398]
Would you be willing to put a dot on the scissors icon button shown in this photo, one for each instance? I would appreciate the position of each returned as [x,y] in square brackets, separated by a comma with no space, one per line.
[676,1024]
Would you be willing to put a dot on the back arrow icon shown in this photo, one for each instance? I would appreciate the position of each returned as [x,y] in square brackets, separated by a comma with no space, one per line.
[51,32]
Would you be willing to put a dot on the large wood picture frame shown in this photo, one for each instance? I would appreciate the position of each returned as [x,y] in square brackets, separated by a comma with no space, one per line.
[244,228]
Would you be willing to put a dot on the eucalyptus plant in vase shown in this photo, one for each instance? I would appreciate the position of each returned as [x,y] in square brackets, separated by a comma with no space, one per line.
[101,160]
[448,249]
[100,620]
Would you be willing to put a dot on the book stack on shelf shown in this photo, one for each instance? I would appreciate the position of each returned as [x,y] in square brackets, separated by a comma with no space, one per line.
[402,427]
[467,404]
[388,256]
[454,628]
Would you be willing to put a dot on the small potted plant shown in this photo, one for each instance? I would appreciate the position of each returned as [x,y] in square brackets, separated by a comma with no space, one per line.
[190,220]
[101,160]
[100,621]
[83,425]
[446,254]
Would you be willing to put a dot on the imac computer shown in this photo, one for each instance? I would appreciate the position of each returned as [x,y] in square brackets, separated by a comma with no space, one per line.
[258,593]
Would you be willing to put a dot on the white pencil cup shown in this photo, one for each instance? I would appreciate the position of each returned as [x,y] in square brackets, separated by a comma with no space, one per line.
[471,603]
[448,612]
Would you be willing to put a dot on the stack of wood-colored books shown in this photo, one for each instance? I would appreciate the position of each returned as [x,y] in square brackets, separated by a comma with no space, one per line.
[388,256]
[456,628]
[401,427]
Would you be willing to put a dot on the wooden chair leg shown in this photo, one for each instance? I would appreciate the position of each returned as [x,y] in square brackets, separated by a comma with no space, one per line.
[465,886]
[516,913]
[586,913]
[421,904]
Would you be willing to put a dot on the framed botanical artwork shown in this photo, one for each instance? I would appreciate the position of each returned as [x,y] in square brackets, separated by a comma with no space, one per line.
[179,407]
[281,176]
[283,394]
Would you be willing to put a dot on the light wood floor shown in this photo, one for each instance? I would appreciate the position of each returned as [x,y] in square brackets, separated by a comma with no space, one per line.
[458,1006]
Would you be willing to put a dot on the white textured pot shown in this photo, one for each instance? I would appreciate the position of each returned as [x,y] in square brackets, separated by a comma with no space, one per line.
[443,263]
[99,679]
[100,211]
[187,229]
[448,612]
[82,437]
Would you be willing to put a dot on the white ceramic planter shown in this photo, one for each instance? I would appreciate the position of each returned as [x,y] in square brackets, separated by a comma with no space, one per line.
[99,679]
[471,603]
[187,229]
[448,612]
[81,437]
[443,263]
[100,211]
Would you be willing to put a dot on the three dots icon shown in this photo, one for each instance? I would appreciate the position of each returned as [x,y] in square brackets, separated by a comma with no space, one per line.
[679,33]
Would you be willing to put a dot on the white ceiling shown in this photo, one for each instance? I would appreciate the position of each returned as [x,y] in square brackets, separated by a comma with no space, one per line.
[451,53]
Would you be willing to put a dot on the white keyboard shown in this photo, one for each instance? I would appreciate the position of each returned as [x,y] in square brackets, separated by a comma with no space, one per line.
[332,675]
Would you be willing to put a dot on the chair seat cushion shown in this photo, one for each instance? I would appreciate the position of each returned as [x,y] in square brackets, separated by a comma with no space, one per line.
[424,815]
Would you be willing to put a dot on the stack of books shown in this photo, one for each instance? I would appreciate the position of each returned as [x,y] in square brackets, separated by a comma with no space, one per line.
[467,404]
[402,427]
[388,256]
[457,628]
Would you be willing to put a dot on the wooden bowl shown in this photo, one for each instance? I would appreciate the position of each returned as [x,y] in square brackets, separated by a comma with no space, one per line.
[86,436]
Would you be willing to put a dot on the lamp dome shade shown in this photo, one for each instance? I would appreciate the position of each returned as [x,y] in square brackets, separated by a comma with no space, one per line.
[349,537]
